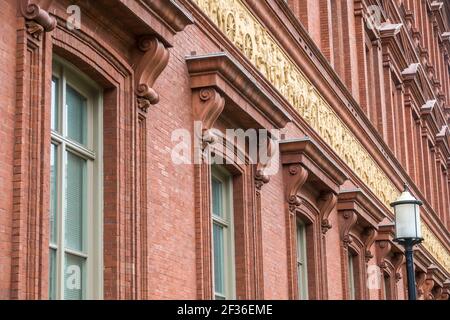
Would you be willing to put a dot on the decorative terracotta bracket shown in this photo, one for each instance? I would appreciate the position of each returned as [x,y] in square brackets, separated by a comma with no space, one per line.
[217,77]
[38,20]
[357,207]
[261,176]
[208,104]
[150,64]
[387,251]
[307,160]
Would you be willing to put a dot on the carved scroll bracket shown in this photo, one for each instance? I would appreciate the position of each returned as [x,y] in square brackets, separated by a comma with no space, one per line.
[383,250]
[350,218]
[398,260]
[262,177]
[420,281]
[329,203]
[149,66]
[38,20]
[371,234]
[298,176]
[208,104]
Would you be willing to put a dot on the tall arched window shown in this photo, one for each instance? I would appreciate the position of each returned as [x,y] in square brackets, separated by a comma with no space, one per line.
[75,266]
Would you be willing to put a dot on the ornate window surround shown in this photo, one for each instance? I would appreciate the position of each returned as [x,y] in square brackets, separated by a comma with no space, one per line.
[358,224]
[221,90]
[306,164]
[390,258]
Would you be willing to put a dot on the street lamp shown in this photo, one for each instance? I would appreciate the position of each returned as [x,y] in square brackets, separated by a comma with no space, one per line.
[408,232]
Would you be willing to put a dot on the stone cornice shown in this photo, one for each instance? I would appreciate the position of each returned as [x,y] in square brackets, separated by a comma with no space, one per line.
[369,213]
[160,18]
[306,152]
[175,16]
[215,69]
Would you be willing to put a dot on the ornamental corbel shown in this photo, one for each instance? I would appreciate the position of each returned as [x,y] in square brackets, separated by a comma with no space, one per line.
[370,236]
[420,281]
[261,176]
[298,176]
[207,107]
[329,204]
[152,61]
[398,260]
[383,249]
[38,20]
[350,218]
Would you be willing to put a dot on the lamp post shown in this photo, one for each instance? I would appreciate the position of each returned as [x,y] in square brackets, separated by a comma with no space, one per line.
[408,232]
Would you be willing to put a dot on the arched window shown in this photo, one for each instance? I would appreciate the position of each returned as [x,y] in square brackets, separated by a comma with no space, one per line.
[75,266]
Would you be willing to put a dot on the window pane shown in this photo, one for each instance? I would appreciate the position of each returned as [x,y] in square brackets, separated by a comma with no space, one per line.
[75,201]
[217,198]
[53,193]
[219,267]
[76,116]
[302,270]
[73,277]
[52,275]
[351,277]
[55,102]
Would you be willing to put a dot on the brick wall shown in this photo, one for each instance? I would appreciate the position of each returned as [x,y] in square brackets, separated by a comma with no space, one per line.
[8,42]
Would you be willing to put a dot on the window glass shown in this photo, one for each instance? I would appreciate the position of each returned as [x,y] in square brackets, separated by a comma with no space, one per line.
[302,270]
[218,260]
[217,196]
[76,116]
[73,277]
[75,201]
[222,234]
[351,277]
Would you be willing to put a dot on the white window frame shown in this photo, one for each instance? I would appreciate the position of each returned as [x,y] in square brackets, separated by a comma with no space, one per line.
[92,152]
[227,222]
[302,264]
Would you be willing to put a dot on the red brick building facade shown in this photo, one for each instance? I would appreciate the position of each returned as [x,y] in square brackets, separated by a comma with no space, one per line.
[96,96]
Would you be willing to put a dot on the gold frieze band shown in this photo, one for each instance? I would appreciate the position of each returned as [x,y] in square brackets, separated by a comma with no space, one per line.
[241,27]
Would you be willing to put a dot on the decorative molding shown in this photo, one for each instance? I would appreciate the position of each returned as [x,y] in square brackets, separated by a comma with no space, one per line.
[33,12]
[151,63]
[35,29]
[175,16]
[435,247]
